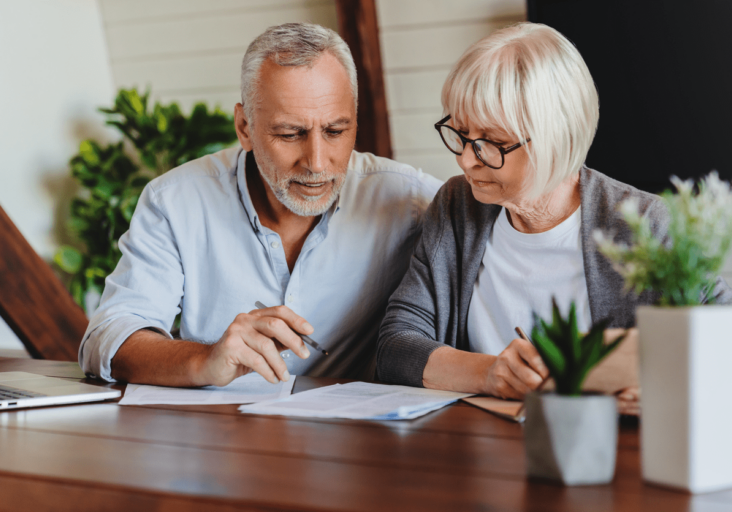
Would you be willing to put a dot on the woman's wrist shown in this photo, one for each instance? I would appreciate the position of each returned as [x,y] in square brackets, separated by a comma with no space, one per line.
[456,370]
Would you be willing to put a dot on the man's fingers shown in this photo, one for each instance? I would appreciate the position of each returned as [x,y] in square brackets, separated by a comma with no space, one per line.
[267,348]
[257,362]
[276,329]
[531,356]
[292,319]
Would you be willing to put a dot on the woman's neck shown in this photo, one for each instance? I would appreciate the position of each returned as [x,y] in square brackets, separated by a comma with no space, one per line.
[546,211]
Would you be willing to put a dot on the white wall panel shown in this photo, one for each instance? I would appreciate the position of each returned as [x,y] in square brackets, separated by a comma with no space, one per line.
[182,73]
[395,13]
[125,11]
[411,90]
[224,99]
[191,50]
[157,38]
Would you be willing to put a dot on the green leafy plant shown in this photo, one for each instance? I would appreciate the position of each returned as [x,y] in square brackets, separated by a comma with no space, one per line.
[112,177]
[684,267]
[569,355]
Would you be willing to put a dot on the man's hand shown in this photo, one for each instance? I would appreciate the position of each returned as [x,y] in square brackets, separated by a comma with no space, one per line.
[516,371]
[254,341]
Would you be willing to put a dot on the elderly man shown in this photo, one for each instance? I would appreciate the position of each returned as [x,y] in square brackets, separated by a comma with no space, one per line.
[294,219]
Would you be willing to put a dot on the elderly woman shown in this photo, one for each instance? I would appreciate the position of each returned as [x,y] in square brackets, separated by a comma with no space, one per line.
[516,230]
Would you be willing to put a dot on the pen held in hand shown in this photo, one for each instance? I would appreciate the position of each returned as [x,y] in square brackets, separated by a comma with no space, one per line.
[520,414]
[304,338]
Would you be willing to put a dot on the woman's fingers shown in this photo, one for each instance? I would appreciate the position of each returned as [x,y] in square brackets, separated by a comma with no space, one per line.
[527,351]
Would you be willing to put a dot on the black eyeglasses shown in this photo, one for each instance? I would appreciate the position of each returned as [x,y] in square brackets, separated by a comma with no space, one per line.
[490,153]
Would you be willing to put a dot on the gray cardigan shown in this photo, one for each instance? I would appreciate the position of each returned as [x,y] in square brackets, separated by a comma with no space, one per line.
[430,307]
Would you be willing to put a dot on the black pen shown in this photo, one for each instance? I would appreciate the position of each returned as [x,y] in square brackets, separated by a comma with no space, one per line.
[304,338]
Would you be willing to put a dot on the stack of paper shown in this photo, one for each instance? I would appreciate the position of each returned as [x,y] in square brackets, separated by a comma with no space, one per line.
[358,400]
[245,390]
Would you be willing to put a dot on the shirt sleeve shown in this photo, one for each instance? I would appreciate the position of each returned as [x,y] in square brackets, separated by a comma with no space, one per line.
[144,291]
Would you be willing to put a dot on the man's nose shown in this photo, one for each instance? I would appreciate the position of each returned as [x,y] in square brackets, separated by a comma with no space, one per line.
[317,157]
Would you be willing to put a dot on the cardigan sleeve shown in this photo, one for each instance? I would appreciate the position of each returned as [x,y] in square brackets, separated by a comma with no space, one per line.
[408,332]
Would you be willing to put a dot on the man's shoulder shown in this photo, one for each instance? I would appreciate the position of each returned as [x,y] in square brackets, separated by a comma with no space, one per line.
[364,165]
[209,169]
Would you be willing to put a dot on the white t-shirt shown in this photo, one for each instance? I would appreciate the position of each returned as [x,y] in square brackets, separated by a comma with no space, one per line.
[519,275]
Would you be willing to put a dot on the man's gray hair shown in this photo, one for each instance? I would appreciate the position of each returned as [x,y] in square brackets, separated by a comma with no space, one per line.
[292,44]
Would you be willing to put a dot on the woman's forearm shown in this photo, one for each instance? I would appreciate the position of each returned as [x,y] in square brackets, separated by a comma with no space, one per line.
[456,370]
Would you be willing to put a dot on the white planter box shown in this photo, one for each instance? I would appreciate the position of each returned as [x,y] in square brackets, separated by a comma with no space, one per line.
[686,396]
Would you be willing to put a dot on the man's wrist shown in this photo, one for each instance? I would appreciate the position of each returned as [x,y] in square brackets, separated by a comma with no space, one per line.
[197,369]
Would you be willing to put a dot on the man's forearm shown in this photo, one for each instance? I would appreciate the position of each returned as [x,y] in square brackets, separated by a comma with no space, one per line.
[456,370]
[147,357]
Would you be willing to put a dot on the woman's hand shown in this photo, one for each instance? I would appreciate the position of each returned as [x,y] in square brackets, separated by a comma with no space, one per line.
[516,371]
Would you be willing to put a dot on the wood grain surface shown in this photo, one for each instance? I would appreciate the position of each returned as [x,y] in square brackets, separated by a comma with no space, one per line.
[358,26]
[108,457]
[33,301]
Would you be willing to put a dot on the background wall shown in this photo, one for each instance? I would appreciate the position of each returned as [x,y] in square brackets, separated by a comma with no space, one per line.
[54,72]
[191,50]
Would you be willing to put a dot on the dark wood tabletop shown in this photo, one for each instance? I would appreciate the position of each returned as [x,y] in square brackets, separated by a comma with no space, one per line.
[104,456]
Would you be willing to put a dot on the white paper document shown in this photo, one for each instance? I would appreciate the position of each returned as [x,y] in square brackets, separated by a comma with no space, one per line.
[245,390]
[359,401]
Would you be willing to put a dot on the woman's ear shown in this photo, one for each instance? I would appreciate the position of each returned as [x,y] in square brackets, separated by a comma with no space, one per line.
[243,127]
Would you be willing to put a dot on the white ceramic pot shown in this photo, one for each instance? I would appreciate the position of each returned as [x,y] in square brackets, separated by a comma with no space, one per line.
[686,396]
[571,439]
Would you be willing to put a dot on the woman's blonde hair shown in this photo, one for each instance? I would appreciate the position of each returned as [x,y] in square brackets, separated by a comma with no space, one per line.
[531,82]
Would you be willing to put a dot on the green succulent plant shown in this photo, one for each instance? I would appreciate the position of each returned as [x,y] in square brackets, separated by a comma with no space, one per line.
[112,177]
[568,354]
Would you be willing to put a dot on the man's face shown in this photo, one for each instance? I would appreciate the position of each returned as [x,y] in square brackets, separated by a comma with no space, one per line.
[303,132]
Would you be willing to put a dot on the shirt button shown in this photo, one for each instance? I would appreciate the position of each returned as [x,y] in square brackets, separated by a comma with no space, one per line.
[274,245]
[285,355]
[290,298]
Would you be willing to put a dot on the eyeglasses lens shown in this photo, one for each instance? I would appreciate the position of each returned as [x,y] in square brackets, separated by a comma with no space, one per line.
[452,140]
[489,153]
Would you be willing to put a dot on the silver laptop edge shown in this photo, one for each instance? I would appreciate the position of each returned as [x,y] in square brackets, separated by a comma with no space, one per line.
[54,391]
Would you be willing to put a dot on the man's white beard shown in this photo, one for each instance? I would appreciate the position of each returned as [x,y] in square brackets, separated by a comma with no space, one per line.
[305,206]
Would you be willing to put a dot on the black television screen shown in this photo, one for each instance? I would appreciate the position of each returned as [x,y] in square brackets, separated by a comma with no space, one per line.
[663,71]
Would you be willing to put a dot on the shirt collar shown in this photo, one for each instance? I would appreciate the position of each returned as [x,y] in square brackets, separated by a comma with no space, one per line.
[246,200]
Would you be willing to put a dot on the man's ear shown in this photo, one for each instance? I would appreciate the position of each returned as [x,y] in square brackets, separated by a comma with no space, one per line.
[243,127]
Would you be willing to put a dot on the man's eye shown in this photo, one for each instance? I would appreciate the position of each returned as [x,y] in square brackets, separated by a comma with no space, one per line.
[288,136]
[334,133]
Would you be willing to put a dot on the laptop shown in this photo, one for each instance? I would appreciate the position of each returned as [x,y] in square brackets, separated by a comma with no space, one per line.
[21,389]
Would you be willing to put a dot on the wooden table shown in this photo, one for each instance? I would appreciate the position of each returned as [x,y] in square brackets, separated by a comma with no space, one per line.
[184,458]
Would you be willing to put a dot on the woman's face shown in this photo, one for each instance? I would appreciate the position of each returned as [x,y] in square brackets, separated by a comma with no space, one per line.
[506,185]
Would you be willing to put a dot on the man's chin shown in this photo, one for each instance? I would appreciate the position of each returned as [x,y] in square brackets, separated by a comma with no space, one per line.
[309,206]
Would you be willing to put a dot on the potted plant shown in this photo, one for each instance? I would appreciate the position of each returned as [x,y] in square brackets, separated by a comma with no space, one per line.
[685,341]
[571,437]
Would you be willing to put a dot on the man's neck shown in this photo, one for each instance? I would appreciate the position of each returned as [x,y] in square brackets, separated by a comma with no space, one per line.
[292,228]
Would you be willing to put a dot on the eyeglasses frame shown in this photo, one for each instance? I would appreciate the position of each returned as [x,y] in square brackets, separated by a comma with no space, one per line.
[466,141]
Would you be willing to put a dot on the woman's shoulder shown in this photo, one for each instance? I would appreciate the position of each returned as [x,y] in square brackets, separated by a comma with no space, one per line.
[603,195]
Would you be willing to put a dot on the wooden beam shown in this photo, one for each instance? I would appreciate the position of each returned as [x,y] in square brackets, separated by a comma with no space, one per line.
[358,25]
[33,301]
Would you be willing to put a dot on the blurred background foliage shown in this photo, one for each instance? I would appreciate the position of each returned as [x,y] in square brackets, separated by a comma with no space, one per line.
[112,177]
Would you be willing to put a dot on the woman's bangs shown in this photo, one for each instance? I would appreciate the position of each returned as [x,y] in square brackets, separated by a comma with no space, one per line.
[480,96]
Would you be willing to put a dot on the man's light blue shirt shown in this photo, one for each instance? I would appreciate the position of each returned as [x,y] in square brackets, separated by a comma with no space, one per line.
[196,246]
